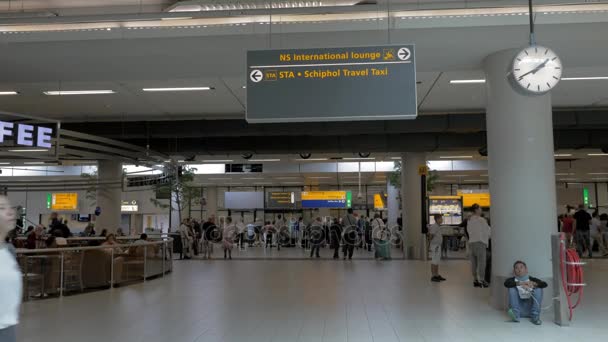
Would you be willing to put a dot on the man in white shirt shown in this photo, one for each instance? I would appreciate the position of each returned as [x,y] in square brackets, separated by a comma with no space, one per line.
[479,237]
[436,240]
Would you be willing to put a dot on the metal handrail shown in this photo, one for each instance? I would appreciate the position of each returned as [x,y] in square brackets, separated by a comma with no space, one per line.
[165,244]
[65,249]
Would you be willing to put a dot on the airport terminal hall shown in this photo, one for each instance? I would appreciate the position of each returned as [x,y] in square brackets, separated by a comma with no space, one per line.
[303,171]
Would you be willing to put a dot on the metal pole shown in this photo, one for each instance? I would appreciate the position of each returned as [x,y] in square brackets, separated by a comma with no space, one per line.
[112,269]
[560,302]
[61,275]
[145,257]
[164,256]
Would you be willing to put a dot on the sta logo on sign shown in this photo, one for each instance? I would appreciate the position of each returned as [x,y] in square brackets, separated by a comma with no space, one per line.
[27,135]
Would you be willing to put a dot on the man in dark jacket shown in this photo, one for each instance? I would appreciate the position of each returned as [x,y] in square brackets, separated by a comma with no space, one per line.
[525,294]
[335,235]
[316,236]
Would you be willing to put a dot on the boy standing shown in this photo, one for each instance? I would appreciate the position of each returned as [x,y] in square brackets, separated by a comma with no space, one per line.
[436,239]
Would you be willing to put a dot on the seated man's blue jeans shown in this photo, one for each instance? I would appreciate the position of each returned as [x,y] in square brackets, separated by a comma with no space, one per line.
[525,307]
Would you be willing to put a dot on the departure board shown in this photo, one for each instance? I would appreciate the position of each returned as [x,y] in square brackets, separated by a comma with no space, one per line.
[281,200]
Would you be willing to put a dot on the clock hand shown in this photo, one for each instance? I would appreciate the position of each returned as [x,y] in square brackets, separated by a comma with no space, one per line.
[535,70]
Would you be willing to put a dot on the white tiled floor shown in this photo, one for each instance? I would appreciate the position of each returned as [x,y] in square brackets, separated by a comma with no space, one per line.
[303,300]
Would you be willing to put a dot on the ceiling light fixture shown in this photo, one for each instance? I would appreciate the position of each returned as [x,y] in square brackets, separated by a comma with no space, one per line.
[360,158]
[264,160]
[557,155]
[598,173]
[3,163]
[319,177]
[597,154]
[455,157]
[252,178]
[33,163]
[78,92]
[312,159]
[178,89]
[217,161]
[3,93]
[29,150]
[594,78]
[396,158]
[467,81]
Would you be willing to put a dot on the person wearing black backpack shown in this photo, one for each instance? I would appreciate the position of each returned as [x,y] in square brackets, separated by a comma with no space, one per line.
[335,234]
[349,234]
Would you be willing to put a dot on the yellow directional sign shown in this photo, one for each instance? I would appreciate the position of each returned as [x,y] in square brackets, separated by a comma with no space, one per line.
[423,170]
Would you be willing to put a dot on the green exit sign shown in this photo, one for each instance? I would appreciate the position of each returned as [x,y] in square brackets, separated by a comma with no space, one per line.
[586,197]
[48,201]
[349,199]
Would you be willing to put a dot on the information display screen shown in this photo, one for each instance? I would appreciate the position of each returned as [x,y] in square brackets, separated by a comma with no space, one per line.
[281,200]
[62,201]
[483,199]
[440,205]
[327,199]
[244,200]
[331,84]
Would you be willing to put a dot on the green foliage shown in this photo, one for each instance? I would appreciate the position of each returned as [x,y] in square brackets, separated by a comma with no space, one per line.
[394,178]
[182,188]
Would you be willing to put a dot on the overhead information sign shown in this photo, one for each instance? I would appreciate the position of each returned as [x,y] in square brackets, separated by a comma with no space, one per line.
[327,199]
[281,200]
[332,84]
[62,201]
[483,199]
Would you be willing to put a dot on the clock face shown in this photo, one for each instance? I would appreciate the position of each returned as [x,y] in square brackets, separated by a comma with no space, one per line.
[537,69]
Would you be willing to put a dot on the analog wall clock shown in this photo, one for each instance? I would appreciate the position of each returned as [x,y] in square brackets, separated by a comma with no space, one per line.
[537,69]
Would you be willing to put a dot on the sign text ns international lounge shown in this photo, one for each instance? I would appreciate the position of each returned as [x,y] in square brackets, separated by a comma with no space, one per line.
[332,84]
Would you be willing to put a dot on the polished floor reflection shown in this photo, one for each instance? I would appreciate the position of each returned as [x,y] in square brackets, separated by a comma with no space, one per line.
[303,300]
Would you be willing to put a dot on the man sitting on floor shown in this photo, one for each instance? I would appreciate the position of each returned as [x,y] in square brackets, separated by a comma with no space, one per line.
[525,294]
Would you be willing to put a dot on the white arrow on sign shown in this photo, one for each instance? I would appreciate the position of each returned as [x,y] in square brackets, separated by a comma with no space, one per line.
[404,54]
[256,76]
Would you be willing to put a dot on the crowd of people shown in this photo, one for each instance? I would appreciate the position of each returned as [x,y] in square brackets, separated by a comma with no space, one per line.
[584,230]
[345,234]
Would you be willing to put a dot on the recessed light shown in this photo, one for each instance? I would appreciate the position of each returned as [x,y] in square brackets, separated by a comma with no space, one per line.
[598,173]
[468,81]
[217,161]
[594,78]
[562,155]
[370,158]
[597,154]
[319,177]
[312,159]
[5,163]
[287,177]
[29,150]
[264,160]
[252,178]
[2,93]
[78,92]
[34,163]
[178,89]
[455,157]
[396,158]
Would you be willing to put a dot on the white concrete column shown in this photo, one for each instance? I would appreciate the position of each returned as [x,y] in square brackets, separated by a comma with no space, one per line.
[411,204]
[392,204]
[211,197]
[109,197]
[522,176]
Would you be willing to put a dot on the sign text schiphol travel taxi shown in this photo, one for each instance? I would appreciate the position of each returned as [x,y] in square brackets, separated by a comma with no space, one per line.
[334,84]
